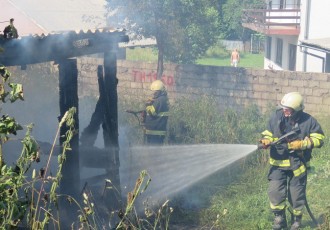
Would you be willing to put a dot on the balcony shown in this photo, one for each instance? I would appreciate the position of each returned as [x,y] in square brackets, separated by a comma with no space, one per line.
[272,21]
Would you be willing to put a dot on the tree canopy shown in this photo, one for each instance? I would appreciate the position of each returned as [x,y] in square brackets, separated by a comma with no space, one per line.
[231,15]
[183,29]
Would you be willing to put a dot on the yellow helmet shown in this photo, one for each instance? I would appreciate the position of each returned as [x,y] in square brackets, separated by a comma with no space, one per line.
[157,85]
[293,100]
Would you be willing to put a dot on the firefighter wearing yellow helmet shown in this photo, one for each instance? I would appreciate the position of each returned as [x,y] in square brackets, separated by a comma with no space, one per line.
[157,111]
[290,159]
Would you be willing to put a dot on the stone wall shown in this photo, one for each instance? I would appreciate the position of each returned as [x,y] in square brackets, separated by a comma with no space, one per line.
[233,87]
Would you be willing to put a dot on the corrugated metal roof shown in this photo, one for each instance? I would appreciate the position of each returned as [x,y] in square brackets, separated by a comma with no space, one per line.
[57,46]
[320,43]
[58,29]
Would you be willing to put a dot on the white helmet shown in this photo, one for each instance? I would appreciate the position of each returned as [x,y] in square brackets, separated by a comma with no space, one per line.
[293,100]
[157,85]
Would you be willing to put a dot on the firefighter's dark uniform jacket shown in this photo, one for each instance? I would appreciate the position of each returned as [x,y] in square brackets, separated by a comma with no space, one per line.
[157,115]
[287,165]
[10,32]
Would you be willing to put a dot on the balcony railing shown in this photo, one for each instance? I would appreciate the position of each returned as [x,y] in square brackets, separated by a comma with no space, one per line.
[272,21]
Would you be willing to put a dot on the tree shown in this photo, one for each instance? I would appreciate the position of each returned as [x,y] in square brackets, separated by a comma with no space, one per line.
[231,12]
[183,29]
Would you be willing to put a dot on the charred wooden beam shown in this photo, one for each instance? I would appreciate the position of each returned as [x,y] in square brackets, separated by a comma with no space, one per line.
[89,134]
[68,89]
[110,127]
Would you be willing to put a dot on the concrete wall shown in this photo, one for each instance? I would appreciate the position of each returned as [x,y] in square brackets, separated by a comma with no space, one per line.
[233,87]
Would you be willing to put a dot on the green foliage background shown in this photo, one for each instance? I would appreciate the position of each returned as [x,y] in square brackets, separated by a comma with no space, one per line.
[216,55]
[183,29]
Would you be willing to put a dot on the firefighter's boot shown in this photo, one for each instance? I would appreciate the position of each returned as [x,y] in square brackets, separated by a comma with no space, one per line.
[297,223]
[280,221]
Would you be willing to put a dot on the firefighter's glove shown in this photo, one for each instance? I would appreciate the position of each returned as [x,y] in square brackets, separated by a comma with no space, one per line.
[265,143]
[149,102]
[300,144]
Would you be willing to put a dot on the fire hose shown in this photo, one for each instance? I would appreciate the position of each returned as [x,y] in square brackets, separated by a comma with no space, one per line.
[140,116]
[279,140]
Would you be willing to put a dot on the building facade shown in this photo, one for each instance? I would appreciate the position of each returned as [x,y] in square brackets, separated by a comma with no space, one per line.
[297,38]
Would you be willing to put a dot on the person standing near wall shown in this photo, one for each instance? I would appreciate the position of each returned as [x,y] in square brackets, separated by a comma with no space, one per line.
[289,159]
[234,59]
[157,111]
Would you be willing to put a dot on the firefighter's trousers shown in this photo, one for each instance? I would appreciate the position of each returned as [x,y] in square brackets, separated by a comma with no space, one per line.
[154,139]
[283,185]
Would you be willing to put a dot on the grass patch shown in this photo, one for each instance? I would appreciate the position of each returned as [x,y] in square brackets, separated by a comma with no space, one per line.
[212,57]
[142,54]
[248,60]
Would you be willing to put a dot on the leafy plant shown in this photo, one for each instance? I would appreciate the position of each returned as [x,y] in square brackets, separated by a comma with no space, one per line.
[217,51]
[22,202]
[183,30]
[153,219]
[29,198]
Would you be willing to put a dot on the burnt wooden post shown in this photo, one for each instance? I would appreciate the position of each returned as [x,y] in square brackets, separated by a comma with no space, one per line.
[68,90]
[110,124]
[89,134]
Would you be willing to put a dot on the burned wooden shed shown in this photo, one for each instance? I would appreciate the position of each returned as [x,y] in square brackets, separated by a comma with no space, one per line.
[63,49]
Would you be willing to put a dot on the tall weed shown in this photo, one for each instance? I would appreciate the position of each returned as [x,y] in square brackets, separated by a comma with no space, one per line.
[204,123]
[217,51]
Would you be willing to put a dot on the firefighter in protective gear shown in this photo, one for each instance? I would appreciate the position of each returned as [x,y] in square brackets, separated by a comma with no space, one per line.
[157,111]
[290,159]
[10,31]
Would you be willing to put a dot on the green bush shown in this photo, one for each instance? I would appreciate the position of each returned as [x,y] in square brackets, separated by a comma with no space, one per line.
[217,51]
[205,123]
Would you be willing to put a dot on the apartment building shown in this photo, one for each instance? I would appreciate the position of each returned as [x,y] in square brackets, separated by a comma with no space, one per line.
[297,35]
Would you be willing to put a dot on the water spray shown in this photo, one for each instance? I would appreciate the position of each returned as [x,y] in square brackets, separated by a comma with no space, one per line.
[176,167]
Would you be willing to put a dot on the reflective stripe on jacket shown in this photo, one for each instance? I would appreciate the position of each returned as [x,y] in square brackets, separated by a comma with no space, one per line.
[280,156]
[157,115]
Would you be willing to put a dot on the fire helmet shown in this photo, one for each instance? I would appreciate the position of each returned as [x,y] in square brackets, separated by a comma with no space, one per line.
[293,100]
[157,85]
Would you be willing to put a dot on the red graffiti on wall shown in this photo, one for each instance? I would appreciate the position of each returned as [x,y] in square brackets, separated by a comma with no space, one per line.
[141,76]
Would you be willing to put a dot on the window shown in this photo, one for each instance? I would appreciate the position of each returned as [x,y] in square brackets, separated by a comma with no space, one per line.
[279,50]
[269,48]
[292,57]
[270,4]
[297,4]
